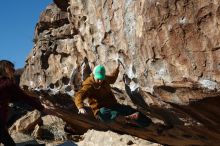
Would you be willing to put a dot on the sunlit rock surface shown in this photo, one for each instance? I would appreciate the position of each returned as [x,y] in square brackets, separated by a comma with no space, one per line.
[27,122]
[159,42]
[169,50]
[99,138]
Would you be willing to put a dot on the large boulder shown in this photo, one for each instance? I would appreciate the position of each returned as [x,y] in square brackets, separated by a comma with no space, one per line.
[169,51]
[109,138]
[158,42]
[27,122]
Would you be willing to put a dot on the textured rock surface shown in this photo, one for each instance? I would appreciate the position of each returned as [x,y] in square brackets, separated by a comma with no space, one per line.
[53,128]
[169,50]
[27,122]
[108,138]
[22,139]
[159,42]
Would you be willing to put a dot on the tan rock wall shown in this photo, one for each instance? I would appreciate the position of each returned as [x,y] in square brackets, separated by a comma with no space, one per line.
[160,42]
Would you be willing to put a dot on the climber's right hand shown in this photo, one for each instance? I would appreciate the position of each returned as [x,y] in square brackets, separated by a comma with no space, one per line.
[82,111]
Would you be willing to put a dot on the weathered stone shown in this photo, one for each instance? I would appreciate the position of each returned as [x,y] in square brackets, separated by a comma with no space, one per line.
[159,42]
[27,122]
[169,52]
[98,138]
[50,119]
[37,133]
[52,129]
[22,139]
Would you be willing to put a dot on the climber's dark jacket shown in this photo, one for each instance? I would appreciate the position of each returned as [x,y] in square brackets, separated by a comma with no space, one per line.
[10,92]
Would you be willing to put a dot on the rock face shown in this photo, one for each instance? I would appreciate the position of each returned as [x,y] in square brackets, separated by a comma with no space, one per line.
[98,138]
[27,122]
[159,42]
[169,51]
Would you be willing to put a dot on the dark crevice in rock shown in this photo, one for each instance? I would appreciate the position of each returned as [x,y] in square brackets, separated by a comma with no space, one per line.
[44,61]
[215,49]
[168,89]
[57,84]
[62,4]
[63,55]
[65,80]
[42,26]
[51,85]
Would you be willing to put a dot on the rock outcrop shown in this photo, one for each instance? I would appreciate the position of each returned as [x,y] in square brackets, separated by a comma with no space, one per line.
[98,138]
[159,42]
[27,122]
[169,51]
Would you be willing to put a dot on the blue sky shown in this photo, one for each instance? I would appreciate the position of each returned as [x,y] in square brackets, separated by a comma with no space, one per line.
[17,22]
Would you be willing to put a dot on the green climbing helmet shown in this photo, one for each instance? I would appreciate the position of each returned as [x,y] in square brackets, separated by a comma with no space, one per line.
[99,72]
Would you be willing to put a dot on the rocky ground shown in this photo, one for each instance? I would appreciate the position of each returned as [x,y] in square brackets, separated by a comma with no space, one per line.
[66,126]
[91,138]
[51,133]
